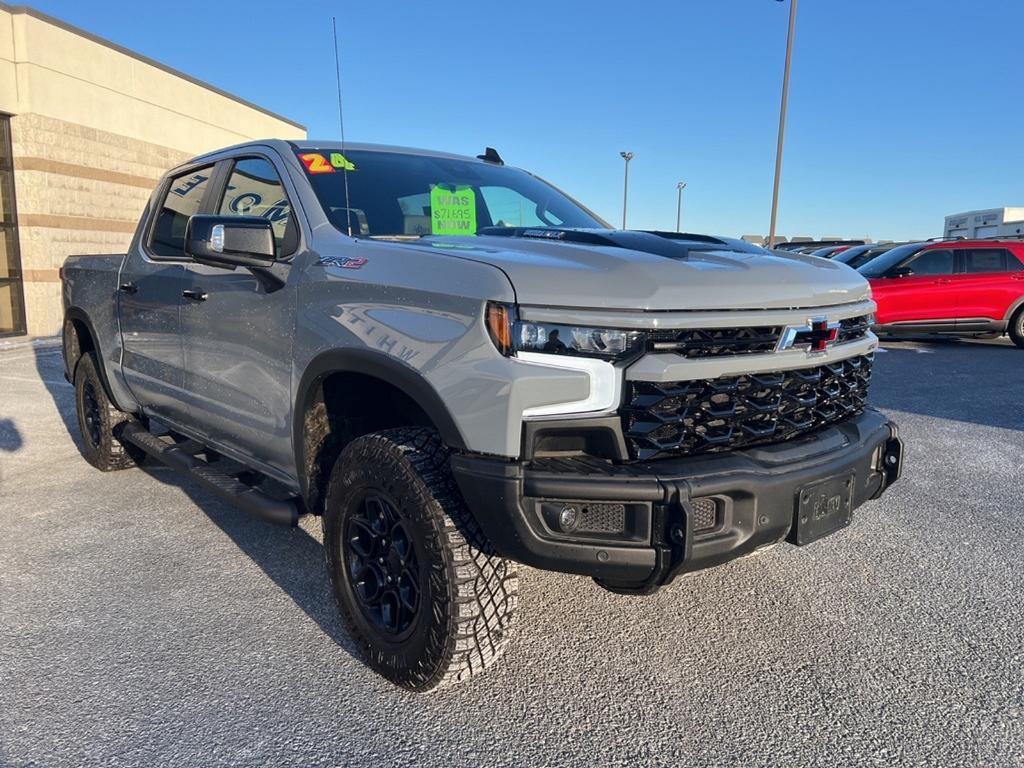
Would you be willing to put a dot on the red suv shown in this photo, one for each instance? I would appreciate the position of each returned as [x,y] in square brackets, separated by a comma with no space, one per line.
[961,287]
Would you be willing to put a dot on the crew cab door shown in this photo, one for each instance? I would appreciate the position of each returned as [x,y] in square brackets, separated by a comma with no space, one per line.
[237,332]
[149,297]
[926,295]
[990,279]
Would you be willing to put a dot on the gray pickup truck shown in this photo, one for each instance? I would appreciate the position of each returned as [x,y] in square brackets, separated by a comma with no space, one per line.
[460,368]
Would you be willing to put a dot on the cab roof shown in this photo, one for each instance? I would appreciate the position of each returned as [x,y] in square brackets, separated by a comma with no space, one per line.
[311,145]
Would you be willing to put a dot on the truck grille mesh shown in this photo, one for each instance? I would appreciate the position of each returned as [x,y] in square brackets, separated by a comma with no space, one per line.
[705,514]
[717,342]
[602,518]
[852,328]
[749,340]
[687,417]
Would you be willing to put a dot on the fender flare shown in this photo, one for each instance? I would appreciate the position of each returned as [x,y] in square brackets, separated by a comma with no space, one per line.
[77,314]
[380,366]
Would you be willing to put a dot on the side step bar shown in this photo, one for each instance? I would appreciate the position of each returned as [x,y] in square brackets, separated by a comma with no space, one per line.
[221,484]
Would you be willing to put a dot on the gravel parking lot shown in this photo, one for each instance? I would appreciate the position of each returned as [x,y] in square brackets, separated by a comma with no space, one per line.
[142,622]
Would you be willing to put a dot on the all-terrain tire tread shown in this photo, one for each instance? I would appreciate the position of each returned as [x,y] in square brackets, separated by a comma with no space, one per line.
[480,596]
[111,454]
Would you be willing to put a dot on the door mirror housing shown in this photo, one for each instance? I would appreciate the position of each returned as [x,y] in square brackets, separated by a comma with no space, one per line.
[900,272]
[231,241]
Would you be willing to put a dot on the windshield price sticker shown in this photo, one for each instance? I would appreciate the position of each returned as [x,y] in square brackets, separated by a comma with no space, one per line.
[452,210]
[315,162]
[341,162]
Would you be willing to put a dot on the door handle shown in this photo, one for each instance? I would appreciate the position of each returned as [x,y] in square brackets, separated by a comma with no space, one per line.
[194,295]
[943,281]
[1017,276]
[128,287]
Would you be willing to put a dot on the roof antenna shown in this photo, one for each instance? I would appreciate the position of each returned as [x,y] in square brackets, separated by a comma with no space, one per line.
[341,124]
[491,155]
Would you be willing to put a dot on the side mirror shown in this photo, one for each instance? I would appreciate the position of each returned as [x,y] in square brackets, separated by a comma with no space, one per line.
[231,241]
[900,272]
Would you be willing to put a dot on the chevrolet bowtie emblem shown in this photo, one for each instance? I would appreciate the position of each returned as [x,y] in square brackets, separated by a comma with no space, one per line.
[817,335]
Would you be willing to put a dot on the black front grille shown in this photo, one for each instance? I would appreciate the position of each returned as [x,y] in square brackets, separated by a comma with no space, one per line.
[717,342]
[686,417]
[852,328]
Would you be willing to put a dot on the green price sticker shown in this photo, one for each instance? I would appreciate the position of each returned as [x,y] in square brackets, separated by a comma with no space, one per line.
[452,210]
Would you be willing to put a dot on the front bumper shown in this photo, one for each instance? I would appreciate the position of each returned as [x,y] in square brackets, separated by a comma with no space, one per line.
[754,493]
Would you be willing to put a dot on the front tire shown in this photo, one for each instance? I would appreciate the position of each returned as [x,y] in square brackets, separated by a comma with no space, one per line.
[98,418]
[1016,328]
[423,594]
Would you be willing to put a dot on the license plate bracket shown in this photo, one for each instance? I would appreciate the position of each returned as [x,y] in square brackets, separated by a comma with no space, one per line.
[822,508]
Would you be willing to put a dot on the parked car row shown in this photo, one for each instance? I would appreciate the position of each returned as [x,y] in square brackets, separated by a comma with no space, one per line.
[822,248]
[950,287]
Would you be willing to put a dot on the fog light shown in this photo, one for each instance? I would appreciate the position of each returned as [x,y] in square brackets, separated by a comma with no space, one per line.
[568,518]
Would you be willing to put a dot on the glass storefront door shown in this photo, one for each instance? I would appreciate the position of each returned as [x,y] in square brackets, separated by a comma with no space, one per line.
[12,304]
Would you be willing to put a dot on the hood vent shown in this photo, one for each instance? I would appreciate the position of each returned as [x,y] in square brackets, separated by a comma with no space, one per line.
[673,245]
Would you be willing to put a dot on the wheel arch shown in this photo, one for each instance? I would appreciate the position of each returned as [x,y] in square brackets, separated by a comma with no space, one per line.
[1015,307]
[413,396]
[78,337]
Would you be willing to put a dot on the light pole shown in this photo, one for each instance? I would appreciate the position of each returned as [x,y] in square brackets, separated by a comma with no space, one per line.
[627,156]
[782,121]
[679,206]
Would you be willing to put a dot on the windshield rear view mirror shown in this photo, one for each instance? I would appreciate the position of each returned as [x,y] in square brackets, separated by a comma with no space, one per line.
[900,272]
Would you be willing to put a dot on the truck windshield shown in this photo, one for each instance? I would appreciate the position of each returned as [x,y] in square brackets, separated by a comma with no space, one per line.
[395,194]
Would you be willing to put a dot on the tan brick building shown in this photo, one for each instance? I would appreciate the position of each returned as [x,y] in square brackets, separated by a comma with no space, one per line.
[86,129]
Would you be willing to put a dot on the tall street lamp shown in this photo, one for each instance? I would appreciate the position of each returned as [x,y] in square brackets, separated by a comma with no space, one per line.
[782,121]
[627,156]
[679,206]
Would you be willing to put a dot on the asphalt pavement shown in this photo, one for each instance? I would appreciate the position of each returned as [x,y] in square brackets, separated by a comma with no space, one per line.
[144,623]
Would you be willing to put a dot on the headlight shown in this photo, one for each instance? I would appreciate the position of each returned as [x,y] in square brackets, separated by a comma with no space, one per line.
[606,343]
[511,336]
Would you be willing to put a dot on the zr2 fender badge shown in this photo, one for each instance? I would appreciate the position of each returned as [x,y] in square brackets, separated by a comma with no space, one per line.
[345,262]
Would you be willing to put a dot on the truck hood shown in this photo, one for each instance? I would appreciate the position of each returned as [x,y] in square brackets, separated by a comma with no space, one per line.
[615,269]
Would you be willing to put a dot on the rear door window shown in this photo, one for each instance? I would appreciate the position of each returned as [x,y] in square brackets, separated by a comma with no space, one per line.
[982,260]
[183,199]
[937,262]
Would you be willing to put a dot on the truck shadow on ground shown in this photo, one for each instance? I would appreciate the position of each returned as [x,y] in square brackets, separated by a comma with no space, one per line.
[951,379]
[50,367]
[290,557]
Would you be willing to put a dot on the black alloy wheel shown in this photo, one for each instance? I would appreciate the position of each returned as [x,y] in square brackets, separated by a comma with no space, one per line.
[378,552]
[92,415]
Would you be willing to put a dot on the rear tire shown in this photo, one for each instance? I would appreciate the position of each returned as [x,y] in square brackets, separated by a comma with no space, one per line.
[98,419]
[1016,328]
[423,594]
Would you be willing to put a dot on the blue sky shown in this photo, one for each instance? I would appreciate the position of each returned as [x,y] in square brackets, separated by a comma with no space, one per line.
[901,111]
